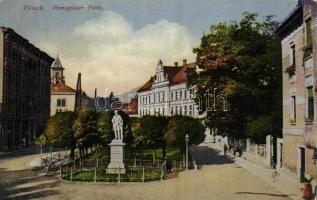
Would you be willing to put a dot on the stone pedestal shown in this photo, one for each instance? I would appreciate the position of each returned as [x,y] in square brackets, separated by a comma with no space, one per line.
[116,157]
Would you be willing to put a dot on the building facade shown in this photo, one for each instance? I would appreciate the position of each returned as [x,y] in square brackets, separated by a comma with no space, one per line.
[298,34]
[24,90]
[166,93]
[62,96]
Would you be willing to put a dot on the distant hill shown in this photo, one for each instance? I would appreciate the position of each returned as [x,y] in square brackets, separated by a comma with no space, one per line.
[126,97]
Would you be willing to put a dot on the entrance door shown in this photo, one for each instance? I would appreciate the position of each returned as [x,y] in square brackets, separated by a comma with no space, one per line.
[302,164]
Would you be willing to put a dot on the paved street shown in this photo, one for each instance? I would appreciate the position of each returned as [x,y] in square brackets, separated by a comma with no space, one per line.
[218,178]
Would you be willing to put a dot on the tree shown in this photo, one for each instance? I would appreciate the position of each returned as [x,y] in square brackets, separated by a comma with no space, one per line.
[242,60]
[41,141]
[85,128]
[179,126]
[104,126]
[67,137]
[59,131]
[150,132]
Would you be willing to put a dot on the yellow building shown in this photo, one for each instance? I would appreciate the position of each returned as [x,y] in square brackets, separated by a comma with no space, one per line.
[298,34]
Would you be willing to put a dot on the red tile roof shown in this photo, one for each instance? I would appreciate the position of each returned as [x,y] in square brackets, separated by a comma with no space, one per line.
[62,88]
[132,107]
[176,75]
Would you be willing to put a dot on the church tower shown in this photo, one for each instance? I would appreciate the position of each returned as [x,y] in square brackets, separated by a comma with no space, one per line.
[57,75]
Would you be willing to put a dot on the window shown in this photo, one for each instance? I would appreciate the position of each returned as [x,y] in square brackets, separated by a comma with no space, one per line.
[308,33]
[63,102]
[293,109]
[190,109]
[172,110]
[171,96]
[185,108]
[185,94]
[293,55]
[59,102]
[310,104]
[180,94]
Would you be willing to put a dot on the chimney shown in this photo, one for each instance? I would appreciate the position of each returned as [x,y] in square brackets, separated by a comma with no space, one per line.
[176,64]
[184,62]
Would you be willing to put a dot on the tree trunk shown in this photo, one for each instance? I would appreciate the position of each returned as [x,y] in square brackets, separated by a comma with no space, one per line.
[164,150]
[72,152]
[51,152]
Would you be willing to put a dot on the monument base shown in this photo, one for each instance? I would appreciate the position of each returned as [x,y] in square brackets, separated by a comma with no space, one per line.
[116,164]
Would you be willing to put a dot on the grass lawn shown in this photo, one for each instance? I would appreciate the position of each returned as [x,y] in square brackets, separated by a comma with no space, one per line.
[132,175]
[172,154]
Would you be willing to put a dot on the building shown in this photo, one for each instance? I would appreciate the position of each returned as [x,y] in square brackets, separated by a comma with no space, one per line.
[24,90]
[166,93]
[62,96]
[131,107]
[298,33]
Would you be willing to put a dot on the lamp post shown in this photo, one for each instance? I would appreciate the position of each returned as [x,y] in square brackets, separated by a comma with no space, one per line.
[186,140]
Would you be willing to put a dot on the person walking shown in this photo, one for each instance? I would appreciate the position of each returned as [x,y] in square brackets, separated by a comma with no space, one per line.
[307,191]
[225,149]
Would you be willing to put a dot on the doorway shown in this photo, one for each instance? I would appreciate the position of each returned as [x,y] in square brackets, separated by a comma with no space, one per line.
[302,165]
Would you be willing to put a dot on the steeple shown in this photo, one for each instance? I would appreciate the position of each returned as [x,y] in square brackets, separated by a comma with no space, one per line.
[57,72]
[159,65]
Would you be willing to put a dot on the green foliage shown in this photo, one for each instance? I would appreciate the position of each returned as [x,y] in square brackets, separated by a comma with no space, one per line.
[85,128]
[151,131]
[243,61]
[41,141]
[52,133]
[104,126]
[179,126]
[259,128]
[290,70]
[132,175]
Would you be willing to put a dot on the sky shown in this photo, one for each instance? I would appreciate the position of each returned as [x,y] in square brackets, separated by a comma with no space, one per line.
[116,48]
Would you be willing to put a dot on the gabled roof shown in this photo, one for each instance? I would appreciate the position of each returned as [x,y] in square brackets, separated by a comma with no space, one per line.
[175,75]
[62,88]
[146,86]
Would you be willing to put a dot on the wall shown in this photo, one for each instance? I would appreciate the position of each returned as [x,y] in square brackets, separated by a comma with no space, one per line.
[70,102]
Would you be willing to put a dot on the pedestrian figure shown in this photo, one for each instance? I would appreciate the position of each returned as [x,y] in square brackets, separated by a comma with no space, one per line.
[239,150]
[225,149]
[234,151]
[307,191]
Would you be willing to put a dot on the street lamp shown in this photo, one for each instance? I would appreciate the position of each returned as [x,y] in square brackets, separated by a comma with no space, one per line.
[186,140]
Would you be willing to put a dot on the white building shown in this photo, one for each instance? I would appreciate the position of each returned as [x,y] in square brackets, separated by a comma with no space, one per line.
[62,96]
[166,93]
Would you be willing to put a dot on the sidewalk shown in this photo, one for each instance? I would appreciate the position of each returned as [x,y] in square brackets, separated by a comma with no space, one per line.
[280,182]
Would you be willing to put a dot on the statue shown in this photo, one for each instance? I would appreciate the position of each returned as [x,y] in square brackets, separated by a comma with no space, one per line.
[117,125]
[117,164]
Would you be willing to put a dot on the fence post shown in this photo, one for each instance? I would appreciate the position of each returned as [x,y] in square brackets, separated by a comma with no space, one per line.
[60,171]
[119,174]
[134,162]
[143,175]
[71,174]
[95,175]
[131,175]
